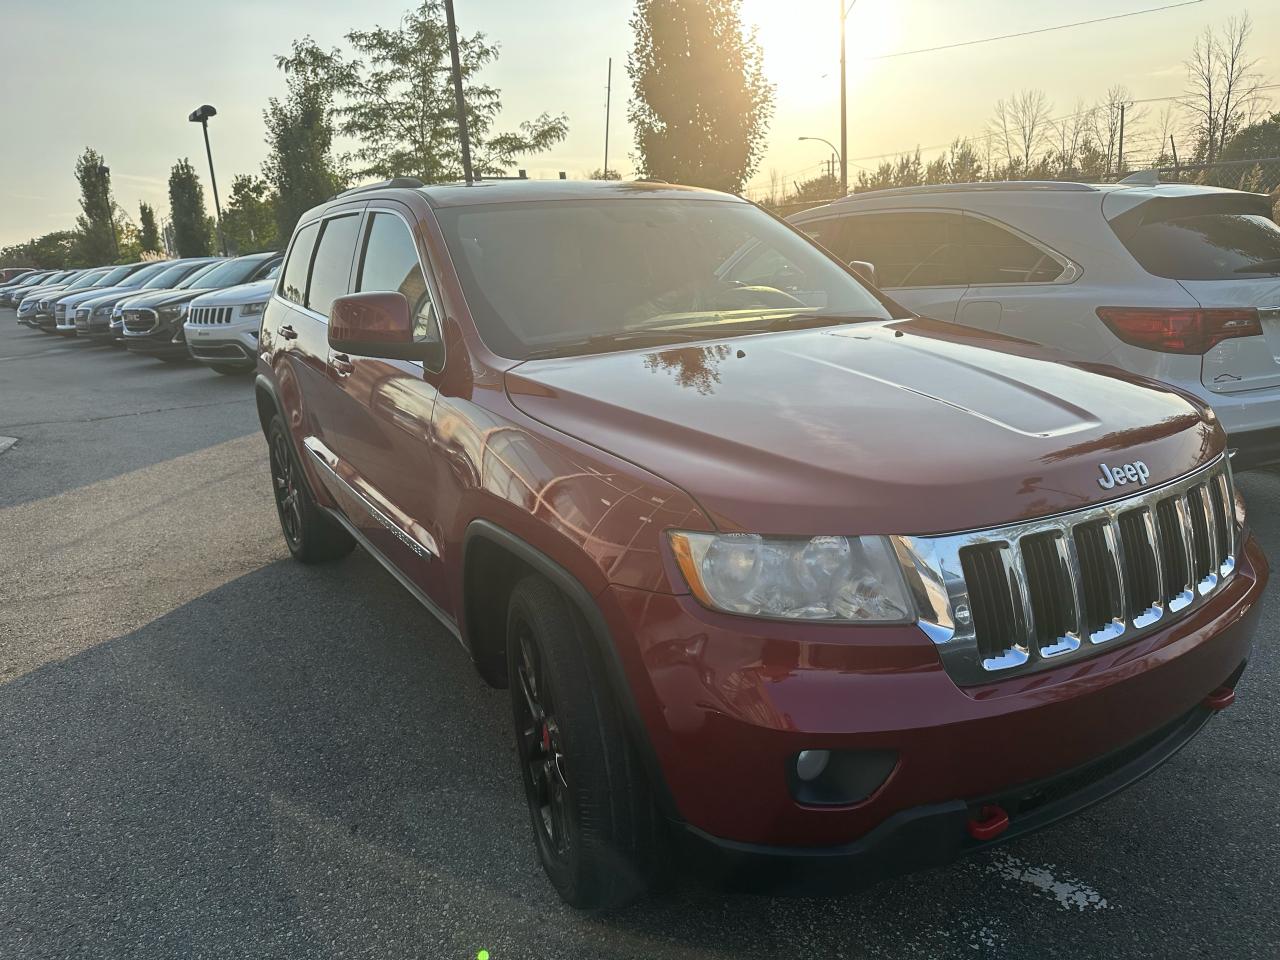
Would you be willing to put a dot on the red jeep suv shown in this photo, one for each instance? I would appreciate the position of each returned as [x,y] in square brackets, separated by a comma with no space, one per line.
[774,570]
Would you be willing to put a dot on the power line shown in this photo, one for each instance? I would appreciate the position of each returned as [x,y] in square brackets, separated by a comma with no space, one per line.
[1028,33]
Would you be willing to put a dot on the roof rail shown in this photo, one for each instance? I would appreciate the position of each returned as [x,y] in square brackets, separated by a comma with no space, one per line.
[381,185]
[1064,186]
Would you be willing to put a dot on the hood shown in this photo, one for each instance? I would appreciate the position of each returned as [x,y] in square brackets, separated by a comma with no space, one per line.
[162,298]
[42,293]
[77,297]
[234,296]
[904,426]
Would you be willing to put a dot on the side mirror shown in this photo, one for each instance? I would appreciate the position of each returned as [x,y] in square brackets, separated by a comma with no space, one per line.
[865,270]
[377,324]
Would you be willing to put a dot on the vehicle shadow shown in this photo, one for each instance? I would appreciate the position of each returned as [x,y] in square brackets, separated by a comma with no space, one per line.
[302,762]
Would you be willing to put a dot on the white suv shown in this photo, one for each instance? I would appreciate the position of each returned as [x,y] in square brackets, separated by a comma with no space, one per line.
[221,328]
[1175,282]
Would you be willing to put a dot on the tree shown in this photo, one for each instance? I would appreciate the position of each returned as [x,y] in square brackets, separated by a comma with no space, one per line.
[396,98]
[599,174]
[148,235]
[1107,115]
[1261,139]
[960,164]
[191,233]
[249,221]
[701,105]
[300,166]
[57,249]
[97,243]
[1020,126]
[1223,84]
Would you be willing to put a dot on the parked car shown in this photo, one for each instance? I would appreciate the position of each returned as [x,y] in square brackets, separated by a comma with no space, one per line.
[221,328]
[8,274]
[153,323]
[102,301]
[106,319]
[45,317]
[12,292]
[29,305]
[1176,282]
[64,309]
[787,574]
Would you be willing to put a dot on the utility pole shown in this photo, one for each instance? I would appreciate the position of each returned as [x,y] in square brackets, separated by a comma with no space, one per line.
[463,136]
[1177,173]
[608,103]
[844,109]
[1120,151]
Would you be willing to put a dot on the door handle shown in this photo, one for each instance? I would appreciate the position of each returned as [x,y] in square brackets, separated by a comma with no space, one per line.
[288,333]
[342,364]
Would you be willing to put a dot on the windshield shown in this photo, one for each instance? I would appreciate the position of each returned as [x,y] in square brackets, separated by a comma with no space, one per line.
[112,277]
[171,275]
[147,273]
[87,279]
[196,280]
[229,273]
[548,276]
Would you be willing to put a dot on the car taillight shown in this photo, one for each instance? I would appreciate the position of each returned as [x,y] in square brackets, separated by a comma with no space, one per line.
[1177,330]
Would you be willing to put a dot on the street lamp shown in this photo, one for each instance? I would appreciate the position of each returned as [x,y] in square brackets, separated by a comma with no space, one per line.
[844,183]
[201,116]
[105,172]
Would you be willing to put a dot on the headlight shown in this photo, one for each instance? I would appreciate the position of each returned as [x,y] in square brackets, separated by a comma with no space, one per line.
[854,579]
[253,309]
[102,311]
[173,310]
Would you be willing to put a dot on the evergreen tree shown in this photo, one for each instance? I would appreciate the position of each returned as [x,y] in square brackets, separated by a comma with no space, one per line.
[191,234]
[97,243]
[701,105]
[148,235]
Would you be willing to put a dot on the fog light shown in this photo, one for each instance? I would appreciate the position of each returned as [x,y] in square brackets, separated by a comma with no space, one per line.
[811,763]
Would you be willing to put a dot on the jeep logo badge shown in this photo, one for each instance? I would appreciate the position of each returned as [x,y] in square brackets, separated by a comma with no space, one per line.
[1135,472]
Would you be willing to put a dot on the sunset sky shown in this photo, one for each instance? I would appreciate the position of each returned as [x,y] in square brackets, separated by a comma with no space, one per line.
[122,76]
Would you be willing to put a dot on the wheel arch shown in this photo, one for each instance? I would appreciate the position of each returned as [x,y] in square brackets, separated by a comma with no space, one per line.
[500,551]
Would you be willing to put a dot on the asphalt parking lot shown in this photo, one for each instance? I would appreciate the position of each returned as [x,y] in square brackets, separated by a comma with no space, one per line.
[208,750]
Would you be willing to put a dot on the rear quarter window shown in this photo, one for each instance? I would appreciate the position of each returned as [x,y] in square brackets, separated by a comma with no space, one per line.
[293,285]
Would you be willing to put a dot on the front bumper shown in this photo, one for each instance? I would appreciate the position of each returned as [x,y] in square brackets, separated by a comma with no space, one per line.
[727,710]
[225,345]
[160,342]
[937,834]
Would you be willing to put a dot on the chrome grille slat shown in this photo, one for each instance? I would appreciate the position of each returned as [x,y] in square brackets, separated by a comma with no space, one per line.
[989,629]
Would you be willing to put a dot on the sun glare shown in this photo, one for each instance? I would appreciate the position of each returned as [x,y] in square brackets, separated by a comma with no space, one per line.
[801,41]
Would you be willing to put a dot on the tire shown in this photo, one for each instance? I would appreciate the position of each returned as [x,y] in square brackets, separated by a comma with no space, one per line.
[599,834]
[311,534]
[229,370]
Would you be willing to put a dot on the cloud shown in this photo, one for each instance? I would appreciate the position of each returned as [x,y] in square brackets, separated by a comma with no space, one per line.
[137,178]
[23,196]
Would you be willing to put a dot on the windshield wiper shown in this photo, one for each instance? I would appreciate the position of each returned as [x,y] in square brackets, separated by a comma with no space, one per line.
[1262,266]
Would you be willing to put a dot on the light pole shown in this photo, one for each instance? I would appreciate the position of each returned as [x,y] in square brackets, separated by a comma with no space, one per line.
[105,172]
[844,183]
[844,110]
[201,116]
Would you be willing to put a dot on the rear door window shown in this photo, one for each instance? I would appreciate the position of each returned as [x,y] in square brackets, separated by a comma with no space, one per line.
[996,255]
[908,249]
[331,267]
[389,262]
[1208,246]
[293,286]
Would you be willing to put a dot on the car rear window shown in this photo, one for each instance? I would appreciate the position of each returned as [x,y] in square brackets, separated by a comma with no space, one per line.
[1186,241]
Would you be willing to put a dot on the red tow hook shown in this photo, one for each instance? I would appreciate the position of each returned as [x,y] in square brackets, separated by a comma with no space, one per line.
[990,822]
[1220,699]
